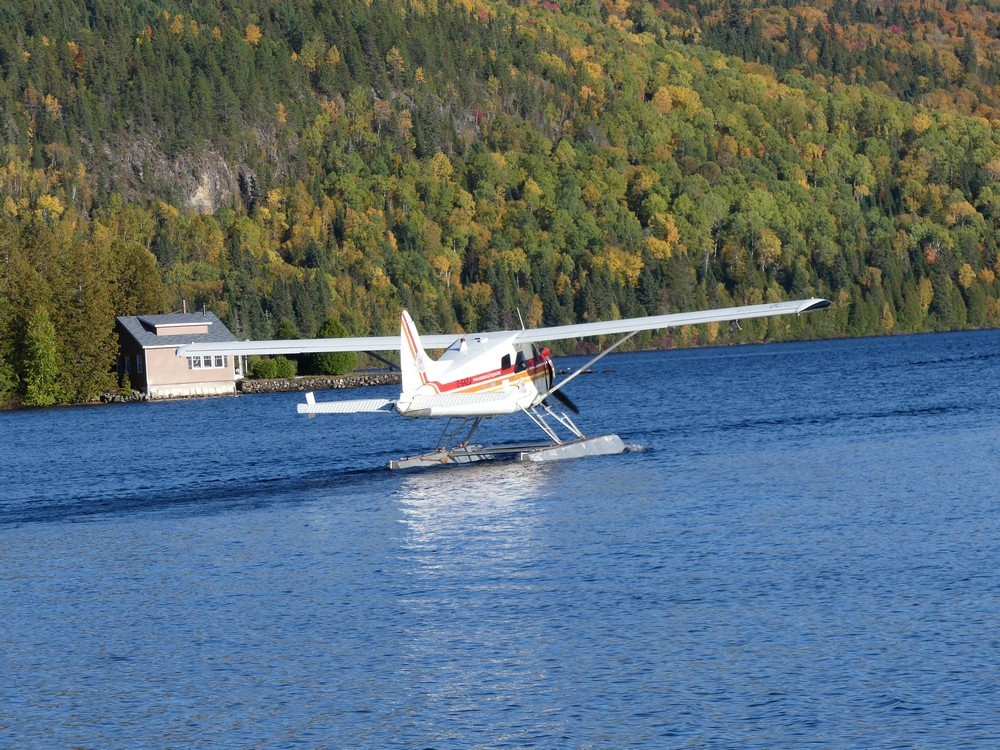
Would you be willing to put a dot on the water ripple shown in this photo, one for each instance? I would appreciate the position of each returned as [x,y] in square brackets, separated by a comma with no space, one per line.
[787,556]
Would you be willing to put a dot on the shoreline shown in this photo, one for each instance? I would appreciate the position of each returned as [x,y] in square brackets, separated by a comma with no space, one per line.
[356,380]
[246,386]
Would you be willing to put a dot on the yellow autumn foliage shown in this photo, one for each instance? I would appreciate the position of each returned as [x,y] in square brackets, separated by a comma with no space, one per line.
[49,206]
[252,34]
[552,62]
[926,291]
[441,166]
[966,276]
[52,106]
[712,332]
[888,320]
[668,98]
[622,266]
[921,122]
[659,249]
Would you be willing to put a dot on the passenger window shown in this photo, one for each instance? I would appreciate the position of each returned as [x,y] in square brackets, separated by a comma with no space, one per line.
[505,362]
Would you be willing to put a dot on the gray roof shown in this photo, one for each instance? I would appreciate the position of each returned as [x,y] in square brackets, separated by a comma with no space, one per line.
[143,329]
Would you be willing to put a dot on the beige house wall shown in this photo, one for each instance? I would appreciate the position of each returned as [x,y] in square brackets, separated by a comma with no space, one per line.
[164,367]
[197,329]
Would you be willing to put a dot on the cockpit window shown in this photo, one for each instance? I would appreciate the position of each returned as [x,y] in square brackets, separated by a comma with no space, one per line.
[519,365]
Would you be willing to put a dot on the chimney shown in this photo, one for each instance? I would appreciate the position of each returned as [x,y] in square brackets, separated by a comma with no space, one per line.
[184,306]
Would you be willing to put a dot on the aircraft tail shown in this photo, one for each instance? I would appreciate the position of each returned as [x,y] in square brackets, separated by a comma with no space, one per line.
[413,360]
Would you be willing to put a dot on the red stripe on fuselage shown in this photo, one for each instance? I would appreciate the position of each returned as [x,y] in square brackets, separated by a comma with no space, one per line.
[533,369]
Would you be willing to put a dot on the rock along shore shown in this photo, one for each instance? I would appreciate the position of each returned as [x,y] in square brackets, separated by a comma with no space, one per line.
[317,382]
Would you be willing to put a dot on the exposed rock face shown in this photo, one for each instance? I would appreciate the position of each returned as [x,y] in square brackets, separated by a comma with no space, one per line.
[202,182]
[215,185]
[318,383]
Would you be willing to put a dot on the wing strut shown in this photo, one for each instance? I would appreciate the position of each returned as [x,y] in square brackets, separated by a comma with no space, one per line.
[592,362]
[391,365]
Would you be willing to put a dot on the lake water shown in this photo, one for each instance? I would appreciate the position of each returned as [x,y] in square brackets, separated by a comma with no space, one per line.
[800,550]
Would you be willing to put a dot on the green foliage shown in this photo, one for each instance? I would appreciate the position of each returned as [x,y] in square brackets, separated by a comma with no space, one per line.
[822,38]
[286,330]
[332,363]
[284,367]
[8,380]
[41,361]
[272,367]
[261,367]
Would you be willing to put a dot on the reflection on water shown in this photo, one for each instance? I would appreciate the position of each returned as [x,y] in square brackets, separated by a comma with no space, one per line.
[470,524]
[469,550]
[446,504]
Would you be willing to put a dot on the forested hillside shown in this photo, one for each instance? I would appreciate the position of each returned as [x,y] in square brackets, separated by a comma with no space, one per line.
[289,162]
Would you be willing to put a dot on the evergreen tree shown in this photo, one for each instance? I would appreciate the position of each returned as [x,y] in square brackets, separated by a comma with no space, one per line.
[40,365]
[8,379]
[333,363]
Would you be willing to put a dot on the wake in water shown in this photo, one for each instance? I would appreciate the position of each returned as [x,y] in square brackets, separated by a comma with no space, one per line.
[203,496]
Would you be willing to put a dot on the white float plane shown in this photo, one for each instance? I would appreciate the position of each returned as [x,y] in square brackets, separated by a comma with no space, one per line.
[484,375]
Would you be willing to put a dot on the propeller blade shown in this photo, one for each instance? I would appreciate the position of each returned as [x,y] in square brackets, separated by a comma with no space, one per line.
[565,401]
[550,376]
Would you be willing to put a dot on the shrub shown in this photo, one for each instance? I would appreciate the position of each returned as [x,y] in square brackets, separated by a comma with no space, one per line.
[284,367]
[263,368]
[273,367]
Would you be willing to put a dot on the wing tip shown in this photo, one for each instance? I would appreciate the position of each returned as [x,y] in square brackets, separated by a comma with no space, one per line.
[813,304]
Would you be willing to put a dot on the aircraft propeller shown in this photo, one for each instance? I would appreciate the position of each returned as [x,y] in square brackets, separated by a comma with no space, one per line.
[566,401]
[550,370]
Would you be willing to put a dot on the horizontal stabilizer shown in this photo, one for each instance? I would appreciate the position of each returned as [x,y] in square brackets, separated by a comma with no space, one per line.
[459,405]
[345,407]
[458,399]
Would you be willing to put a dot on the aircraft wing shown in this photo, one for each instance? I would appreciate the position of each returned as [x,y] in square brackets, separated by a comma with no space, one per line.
[654,322]
[443,341]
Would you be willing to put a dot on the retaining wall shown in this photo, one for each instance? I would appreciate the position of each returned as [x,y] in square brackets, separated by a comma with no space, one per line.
[317,383]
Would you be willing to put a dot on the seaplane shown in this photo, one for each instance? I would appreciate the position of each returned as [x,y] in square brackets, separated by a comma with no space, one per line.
[484,375]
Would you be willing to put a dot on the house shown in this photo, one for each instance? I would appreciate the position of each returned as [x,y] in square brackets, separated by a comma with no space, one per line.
[148,355]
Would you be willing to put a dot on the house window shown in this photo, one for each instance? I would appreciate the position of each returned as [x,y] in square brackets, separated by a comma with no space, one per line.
[128,365]
[208,362]
[138,364]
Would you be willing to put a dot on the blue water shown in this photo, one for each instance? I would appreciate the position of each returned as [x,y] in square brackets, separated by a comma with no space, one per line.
[800,550]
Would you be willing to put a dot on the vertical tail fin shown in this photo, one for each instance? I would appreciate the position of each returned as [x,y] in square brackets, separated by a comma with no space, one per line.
[412,358]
